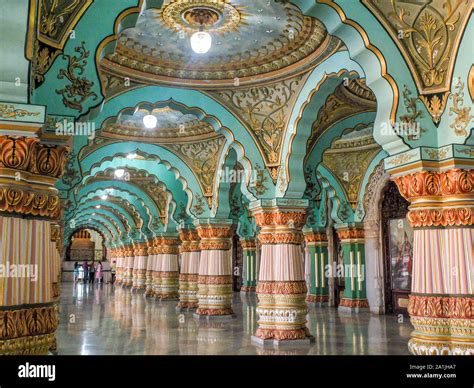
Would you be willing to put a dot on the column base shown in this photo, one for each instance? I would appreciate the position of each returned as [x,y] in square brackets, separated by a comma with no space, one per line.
[277,343]
[186,306]
[166,297]
[149,293]
[432,347]
[353,305]
[317,300]
[222,317]
[138,290]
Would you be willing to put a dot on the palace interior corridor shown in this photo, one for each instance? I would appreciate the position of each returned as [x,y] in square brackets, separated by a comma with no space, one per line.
[236,177]
[117,322]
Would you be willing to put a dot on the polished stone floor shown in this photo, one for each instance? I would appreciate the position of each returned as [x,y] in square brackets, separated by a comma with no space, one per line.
[102,320]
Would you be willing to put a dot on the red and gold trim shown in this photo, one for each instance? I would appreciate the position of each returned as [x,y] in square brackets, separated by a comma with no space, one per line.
[439,198]
[28,331]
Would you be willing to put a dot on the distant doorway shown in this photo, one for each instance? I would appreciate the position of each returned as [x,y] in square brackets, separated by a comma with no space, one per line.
[398,250]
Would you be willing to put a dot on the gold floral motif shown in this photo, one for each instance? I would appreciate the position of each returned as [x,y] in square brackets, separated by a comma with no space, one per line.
[283,288]
[349,166]
[428,34]
[265,111]
[16,200]
[462,113]
[203,158]
[437,154]
[413,114]
[11,113]
[258,184]
[29,330]
[80,89]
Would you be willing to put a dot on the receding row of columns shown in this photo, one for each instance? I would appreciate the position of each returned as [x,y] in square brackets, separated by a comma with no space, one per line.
[204,281]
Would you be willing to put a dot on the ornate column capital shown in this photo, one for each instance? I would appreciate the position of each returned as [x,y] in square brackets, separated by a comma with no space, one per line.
[280,224]
[215,237]
[189,240]
[439,198]
[315,237]
[29,172]
[350,233]
[248,243]
[140,249]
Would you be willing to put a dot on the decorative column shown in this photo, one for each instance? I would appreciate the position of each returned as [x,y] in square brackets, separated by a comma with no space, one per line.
[56,269]
[188,277]
[29,203]
[281,286]
[150,268]
[167,268]
[119,266]
[353,249]
[215,270]
[441,305]
[127,279]
[249,249]
[139,267]
[318,257]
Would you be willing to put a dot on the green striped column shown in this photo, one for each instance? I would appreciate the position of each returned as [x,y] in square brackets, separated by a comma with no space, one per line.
[317,248]
[249,249]
[352,242]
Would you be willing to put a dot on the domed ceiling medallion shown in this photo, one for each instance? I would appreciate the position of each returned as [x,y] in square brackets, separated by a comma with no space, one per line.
[252,43]
[214,16]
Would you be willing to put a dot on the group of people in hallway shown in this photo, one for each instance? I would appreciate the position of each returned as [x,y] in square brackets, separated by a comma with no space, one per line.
[88,273]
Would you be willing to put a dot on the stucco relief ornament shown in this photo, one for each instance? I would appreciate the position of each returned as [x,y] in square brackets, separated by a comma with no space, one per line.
[462,113]
[9,112]
[258,184]
[80,88]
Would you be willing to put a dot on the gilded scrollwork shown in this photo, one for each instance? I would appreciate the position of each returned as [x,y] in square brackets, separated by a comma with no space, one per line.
[349,164]
[80,88]
[199,204]
[265,111]
[203,158]
[10,112]
[462,114]
[258,184]
[55,21]
[428,35]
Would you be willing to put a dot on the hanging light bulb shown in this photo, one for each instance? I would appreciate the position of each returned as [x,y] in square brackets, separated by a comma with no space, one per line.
[149,121]
[201,41]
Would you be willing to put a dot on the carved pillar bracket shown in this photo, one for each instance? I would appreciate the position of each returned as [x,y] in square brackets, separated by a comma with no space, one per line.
[188,277]
[215,269]
[281,286]
[441,303]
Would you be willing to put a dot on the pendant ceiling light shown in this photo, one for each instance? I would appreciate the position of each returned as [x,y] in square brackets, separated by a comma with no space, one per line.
[201,17]
[201,42]
[149,121]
